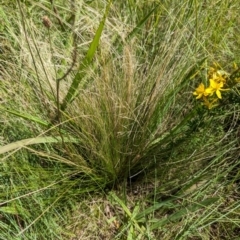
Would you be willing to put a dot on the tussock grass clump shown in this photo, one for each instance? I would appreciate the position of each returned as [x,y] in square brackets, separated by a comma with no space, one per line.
[96,97]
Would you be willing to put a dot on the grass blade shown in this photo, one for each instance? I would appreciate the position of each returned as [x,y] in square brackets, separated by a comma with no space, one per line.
[183,212]
[139,26]
[26,116]
[31,141]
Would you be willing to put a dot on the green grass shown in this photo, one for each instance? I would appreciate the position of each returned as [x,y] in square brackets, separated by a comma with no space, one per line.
[101,136]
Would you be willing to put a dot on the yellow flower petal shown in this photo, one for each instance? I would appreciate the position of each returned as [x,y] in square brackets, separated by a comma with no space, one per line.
[209,91]
[200,91]
[219,94]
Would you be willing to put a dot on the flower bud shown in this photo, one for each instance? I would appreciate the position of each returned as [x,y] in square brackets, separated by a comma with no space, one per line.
[46,22]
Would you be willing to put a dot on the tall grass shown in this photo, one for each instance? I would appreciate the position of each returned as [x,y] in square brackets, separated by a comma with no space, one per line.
[101,100]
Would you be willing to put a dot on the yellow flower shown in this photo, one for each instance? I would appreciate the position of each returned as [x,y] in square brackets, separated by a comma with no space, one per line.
[211,104]
[211,71]
[200,91]
[219,76]
[215,87]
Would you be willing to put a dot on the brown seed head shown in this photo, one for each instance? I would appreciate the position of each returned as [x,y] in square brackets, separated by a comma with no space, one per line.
[46,22]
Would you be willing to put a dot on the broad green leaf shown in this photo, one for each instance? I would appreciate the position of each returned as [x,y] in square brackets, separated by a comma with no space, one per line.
[14,209]
[73,90]
[9,210]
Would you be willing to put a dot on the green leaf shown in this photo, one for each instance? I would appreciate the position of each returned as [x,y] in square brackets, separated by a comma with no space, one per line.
[166,204]
[130,233]
[73,90]
[26,116]
[14,210]
[9,210]
[183,212]
[31,141]
[130,215]
[121,203]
